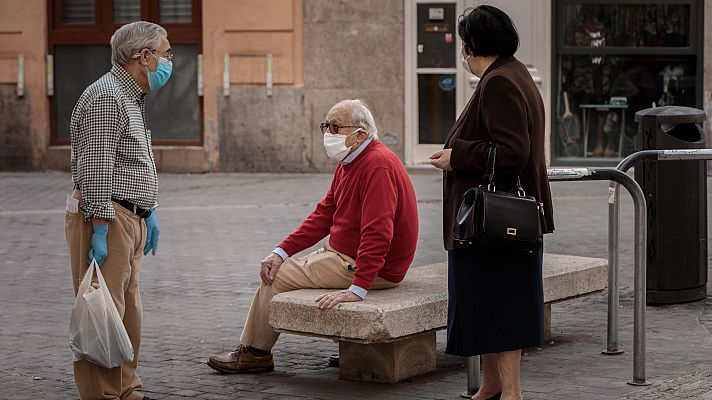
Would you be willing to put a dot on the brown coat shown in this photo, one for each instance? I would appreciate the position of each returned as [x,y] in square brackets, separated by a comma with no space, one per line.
[506,108]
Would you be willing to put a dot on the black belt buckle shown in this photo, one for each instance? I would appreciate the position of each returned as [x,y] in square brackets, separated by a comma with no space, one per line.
[141,212]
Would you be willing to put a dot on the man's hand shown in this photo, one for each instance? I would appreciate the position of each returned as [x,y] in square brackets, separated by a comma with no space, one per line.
[329,300]
[152,232]
[269,267]
[98,249]
[441,159]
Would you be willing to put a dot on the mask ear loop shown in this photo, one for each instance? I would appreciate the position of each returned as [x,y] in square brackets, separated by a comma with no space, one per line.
[138,55]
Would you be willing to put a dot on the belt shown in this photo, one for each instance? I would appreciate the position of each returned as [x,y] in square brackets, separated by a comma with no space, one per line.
[141,212]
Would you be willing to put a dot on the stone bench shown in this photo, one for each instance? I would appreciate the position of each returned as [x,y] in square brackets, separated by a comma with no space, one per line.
[391,335]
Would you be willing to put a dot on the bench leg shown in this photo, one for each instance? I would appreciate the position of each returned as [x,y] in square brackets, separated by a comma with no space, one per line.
[387,362]
[547,322]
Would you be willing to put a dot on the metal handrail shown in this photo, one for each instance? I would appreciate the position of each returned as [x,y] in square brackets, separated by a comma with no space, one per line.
[613,229]
[615,175]
[620,177]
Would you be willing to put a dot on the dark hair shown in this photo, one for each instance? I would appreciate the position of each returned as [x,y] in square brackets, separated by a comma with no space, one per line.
[488,31]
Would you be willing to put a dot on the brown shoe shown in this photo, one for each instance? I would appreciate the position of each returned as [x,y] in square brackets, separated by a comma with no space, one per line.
[240,361]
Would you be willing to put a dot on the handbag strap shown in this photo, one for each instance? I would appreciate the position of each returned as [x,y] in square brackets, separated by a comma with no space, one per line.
[490,170]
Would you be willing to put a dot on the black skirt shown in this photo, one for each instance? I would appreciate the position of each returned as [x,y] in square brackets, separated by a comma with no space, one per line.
[495,301]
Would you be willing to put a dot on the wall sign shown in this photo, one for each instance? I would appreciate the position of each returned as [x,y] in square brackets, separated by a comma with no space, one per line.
[446,83]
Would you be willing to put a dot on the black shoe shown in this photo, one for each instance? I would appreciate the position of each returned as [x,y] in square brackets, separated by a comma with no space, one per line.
[495,397]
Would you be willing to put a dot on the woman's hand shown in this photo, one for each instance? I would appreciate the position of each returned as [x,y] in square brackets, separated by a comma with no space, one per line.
[441,159]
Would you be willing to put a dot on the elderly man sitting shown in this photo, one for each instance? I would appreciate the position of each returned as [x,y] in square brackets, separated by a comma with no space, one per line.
[371,216]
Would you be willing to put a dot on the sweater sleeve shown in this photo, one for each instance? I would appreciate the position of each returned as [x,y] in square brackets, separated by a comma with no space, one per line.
[314,228]
[505,119]
[378,209]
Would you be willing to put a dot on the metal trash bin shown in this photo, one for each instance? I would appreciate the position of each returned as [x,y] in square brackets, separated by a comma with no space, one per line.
[676,195]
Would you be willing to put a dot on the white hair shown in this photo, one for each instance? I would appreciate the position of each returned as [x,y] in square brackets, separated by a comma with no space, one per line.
[360,116]
[134,37]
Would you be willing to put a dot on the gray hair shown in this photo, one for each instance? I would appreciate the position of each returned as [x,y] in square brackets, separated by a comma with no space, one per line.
[134,37]
[361,116]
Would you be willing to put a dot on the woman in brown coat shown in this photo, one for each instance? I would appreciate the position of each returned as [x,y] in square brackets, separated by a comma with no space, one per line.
[495,296]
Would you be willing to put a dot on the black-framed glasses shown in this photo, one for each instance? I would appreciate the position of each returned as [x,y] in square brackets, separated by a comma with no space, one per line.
[333,127]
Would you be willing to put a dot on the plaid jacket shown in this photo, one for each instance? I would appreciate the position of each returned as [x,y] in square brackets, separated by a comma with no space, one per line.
[111,154]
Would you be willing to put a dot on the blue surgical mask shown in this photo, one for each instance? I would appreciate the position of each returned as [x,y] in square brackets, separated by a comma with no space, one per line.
[158,78]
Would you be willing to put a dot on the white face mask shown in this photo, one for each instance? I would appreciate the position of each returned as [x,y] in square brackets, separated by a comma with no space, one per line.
[335,145]
[465,64]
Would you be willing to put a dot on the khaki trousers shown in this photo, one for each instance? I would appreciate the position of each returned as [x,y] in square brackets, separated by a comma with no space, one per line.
[121,269]
[322,269]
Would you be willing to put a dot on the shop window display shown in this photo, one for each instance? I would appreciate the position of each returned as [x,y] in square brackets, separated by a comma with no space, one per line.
[614,60]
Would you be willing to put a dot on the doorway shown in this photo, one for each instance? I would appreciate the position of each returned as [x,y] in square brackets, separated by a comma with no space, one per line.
[435,86]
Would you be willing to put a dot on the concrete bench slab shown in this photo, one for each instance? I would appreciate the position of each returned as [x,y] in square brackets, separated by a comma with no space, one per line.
[390,336]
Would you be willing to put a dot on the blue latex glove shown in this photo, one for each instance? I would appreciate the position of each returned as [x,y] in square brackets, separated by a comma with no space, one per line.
[152,232]
[98,244]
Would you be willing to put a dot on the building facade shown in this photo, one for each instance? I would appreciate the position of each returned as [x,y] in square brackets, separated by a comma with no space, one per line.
[254,78]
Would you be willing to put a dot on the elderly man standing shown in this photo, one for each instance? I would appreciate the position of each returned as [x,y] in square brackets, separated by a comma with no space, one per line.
[371,216]
[116,187]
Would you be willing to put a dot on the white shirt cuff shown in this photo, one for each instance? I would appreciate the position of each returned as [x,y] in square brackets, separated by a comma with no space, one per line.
[278,251]
[358,291]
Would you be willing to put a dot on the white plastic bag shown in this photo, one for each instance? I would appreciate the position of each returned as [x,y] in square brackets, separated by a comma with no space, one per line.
[96,331]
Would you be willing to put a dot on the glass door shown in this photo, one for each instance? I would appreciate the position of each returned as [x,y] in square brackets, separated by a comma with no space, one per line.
[433,93]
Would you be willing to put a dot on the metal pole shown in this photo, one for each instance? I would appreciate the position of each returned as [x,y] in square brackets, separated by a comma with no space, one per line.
[473,376]
[570,174]
[613,235]
[613,229]
[639,285]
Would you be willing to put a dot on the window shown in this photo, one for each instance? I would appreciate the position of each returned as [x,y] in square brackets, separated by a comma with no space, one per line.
[78,38]
[616,58]
[78,12]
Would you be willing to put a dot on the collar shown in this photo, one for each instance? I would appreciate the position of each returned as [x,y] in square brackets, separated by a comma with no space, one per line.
[499,61]
[356,152]
[127,81]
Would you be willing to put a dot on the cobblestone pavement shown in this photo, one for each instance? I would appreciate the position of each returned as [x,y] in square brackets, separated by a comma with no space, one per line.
[214,230]
[693,386]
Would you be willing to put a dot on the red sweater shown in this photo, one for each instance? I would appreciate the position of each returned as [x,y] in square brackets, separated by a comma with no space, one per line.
[371,214]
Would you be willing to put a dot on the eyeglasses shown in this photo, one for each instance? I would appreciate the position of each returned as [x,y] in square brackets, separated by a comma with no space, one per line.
[168,56]
[333,127]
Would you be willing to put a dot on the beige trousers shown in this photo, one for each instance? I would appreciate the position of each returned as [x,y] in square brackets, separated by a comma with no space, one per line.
[322,269]
[121,269]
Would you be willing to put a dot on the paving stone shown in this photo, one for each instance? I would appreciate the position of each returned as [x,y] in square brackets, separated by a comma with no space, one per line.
[196,292]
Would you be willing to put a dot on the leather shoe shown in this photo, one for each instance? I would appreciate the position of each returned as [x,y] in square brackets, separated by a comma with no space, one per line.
[241,361]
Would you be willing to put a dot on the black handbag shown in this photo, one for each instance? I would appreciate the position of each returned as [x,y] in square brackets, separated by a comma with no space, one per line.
[491,218]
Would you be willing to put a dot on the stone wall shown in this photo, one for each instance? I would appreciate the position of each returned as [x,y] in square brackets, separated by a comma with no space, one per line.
[15,138]
[351,50]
